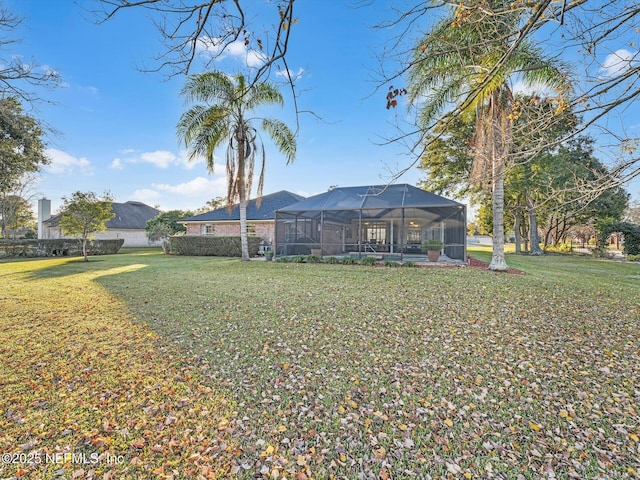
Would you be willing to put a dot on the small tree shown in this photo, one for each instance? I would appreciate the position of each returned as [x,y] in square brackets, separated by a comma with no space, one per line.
[85,214]
[164,225]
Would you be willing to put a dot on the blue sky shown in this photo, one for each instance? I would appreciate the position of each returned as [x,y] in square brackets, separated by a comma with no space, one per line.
[116,124]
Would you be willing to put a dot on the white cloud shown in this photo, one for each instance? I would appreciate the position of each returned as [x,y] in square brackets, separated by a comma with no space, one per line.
[213,47]
[209,45]
[145,195]
[255,58]
[288,74]
[117,164]
[159,158]
[196,187]
[50,71]
[525,88]
[189,164]
[617,62]
[63,163]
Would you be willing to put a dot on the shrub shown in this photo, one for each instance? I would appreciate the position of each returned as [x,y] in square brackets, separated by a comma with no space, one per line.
[431,245]
[391,263]
[559,248]
[368,261]
[196,245]
[283,259]
[313,259]
[332,260]
[630,232]
[633,258]
[408,263]
[349,261]
[57,247]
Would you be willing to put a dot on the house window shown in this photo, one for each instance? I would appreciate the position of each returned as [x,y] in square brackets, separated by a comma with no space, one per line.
[251,228]
[375,232]
[208,229]
[414,236]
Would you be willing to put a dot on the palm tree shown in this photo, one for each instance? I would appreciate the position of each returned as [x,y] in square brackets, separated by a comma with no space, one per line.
[220,114]
[467,63]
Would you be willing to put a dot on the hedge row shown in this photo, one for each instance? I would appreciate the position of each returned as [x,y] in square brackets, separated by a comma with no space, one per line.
[196,245]
[57,247]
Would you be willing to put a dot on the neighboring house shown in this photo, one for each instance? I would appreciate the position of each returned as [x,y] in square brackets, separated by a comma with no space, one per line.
[260,218]
[128,223]
[381,220]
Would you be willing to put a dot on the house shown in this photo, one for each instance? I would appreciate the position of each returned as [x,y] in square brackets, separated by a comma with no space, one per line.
[260,217]
[128,223]
[388,221]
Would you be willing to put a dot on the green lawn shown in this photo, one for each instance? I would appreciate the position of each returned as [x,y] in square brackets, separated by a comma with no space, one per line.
[157,366]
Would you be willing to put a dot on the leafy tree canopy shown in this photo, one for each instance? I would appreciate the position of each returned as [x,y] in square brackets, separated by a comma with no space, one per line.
[21,145]
[166,224]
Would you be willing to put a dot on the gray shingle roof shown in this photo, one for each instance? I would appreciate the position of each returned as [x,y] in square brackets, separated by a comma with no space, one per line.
[371,197]
[128,216]
[266,211]
[131,215]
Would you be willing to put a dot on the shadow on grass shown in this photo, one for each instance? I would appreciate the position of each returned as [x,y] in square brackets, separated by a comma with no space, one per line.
[78,371]
[69,266]
[59,267]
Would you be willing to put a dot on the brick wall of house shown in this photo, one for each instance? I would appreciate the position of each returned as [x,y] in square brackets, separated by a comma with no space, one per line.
[193,228]
[261,229]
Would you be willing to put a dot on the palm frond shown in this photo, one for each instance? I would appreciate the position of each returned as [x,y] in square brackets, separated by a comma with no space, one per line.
[263,94]
[208,87]
[282,136]
[261,178]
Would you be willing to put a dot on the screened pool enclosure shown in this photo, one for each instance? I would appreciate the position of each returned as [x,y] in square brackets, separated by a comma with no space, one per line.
[387,221]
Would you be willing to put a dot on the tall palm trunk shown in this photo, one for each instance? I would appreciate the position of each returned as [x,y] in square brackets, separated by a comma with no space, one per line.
[499,138]
[498,262]
[244,242]
[242,194]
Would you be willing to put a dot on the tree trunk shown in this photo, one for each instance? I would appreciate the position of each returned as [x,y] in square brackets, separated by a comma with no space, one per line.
[562,231]
[499,137]
[242,190]
[3,217]
[516,230]
[524,233]
[498,262]
[533,228]
[547,233]
[244,242]
[84,249]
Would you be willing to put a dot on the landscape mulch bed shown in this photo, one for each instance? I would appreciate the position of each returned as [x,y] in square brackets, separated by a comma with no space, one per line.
[475,263]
